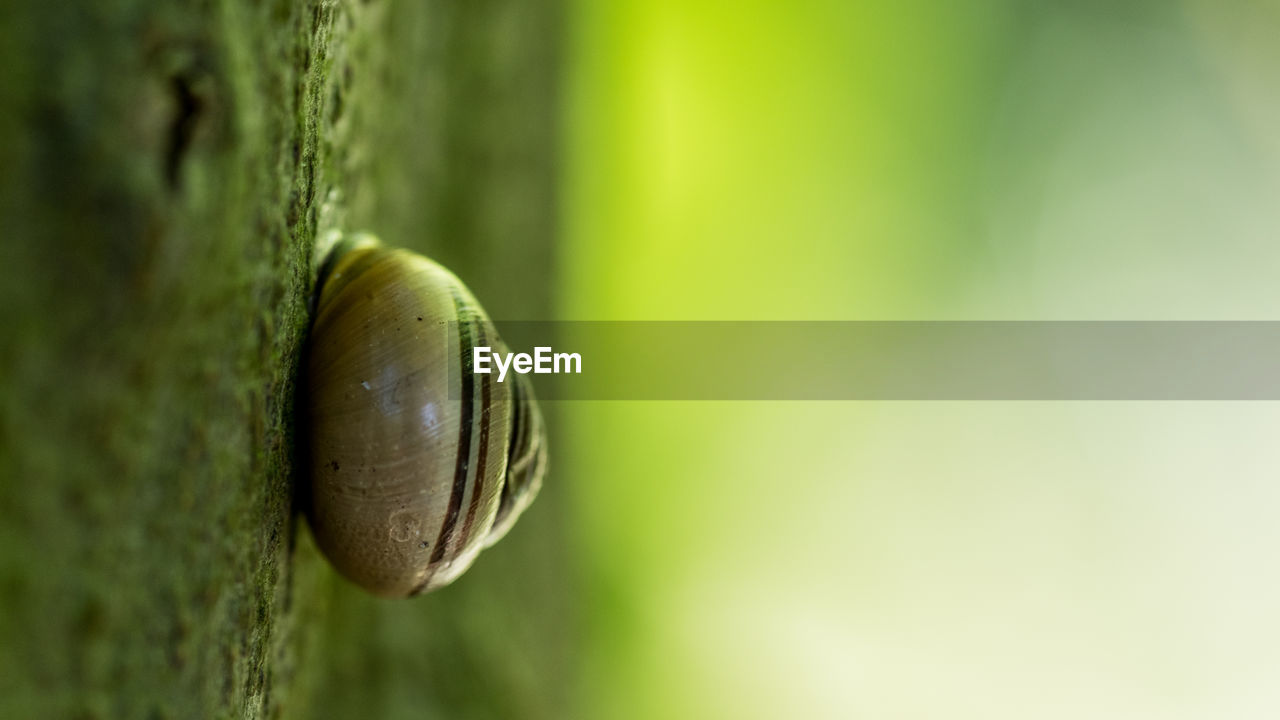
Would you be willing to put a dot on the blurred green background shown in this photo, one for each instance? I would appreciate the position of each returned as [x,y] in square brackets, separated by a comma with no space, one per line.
[981,160]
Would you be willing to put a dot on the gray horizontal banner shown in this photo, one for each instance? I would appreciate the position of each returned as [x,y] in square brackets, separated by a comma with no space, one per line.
[892,360]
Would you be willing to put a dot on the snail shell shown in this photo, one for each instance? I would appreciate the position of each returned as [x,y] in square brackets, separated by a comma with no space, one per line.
[416,463]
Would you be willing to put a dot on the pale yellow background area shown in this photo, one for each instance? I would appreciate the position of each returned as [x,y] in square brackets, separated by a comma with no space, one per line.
[987,160]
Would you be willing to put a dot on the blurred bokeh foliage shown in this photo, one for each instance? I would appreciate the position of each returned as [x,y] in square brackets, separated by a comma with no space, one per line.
[915,160]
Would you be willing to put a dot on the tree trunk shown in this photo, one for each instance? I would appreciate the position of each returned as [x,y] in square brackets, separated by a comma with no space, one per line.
[164,174]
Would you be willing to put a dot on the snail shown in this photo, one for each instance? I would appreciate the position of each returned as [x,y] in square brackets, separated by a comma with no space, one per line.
[416,463]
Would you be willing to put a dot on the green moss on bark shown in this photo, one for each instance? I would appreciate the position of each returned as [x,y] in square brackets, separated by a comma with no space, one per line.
[166,172]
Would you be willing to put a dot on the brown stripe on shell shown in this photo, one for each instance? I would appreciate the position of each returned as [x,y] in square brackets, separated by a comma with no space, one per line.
[483,452]
[516,443]
[464,436]
[526,459]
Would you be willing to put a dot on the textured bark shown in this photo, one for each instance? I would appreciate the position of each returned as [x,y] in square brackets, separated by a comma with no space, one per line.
[164,174]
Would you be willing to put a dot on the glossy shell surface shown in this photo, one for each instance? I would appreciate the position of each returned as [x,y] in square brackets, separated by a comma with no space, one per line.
[416,463]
